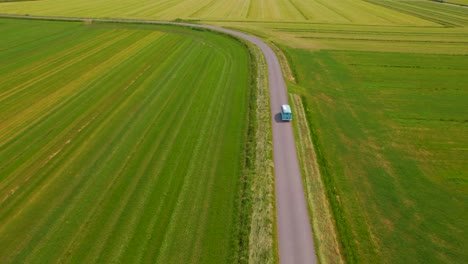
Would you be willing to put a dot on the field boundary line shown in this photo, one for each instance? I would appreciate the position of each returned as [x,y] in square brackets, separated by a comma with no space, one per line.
[298,9]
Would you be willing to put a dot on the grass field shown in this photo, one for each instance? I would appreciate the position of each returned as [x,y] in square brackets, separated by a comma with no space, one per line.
[387,108]
[120,143]
[392,131]
[336,11]
[322,220]
[383,84]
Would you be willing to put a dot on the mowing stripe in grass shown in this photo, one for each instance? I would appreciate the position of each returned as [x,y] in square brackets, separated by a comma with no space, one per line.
[120,168]
[49,72]
[44,185]
[141,143]
[186,196]
[32,112]
[14,74]
[34,140]
[73,86]
[128,168]
[176,114]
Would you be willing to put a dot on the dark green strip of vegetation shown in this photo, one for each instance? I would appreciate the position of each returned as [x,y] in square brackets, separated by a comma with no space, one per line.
[244,200]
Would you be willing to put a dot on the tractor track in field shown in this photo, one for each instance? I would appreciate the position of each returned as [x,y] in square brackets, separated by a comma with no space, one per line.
[295,239]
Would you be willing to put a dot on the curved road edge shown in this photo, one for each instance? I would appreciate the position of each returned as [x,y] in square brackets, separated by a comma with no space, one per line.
[295,239]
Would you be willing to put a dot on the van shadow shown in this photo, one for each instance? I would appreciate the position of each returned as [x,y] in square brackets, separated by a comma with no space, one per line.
[278,118]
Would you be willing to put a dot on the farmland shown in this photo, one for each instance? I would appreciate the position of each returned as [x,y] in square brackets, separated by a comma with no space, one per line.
[398,171]
[343,11]
[383,85]
[120,143]
[387,108]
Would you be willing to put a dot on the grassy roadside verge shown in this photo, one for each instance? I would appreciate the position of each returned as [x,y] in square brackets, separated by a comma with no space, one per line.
[322,221]
[263,239]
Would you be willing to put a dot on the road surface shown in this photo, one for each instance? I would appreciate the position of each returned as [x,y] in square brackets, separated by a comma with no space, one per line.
[296,245]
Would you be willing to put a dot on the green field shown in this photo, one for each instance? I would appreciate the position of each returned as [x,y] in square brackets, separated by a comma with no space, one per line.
[336,11]
[392,130]
[383,83]
[120,143]
[387,108]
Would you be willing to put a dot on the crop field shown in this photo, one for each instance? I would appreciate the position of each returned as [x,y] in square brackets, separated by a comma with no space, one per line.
[408,39]
[384,89]
[392,130]
[435,28]
[387,108]
[446,15]
[120,143]
[335,11]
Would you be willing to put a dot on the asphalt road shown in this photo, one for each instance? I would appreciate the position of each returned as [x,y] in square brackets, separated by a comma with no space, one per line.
[296,245]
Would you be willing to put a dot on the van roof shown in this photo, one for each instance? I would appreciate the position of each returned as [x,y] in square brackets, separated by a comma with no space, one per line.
[286,108]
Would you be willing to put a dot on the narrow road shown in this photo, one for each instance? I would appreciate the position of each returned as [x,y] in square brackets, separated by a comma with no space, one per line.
[295,239]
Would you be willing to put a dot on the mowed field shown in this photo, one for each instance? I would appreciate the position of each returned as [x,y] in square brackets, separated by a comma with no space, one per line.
[414,27]
[387,108]
[120,143]
[336,11]
[384,89]
[391,130]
